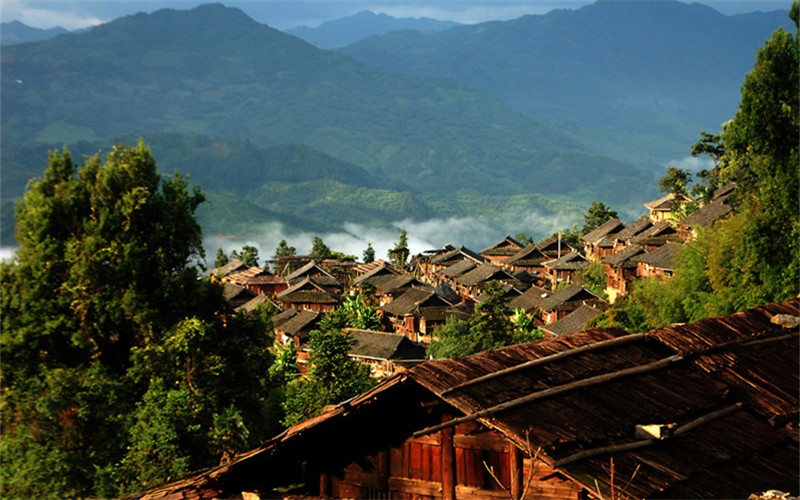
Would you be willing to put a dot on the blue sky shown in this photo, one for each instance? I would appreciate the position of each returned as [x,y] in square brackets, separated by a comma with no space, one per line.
[286,14]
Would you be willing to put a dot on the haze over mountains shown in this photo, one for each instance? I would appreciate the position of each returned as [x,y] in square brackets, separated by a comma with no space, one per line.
[539,115]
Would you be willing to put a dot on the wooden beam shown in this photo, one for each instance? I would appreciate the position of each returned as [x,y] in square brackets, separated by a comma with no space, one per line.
[547,359]
[689,426]
[448,461]
[553,391]
[516,464]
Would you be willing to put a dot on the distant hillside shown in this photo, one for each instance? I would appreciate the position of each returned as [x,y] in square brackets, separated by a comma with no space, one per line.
[214,72]
[641,78]
[15,32]
[348,30]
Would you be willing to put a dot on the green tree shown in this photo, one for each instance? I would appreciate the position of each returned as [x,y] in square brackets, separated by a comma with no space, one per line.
[594,279]
[283,258]
[398,255]
[369,253]
[221,259]
[676,181]
[249,255]
[597,215]
[108,266]
[489,327]
[333,376]
[319,250]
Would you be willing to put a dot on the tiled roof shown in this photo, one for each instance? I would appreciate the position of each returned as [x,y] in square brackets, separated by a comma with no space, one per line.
[300,323]
[530,299]
[608,228]
[622,258]
[380,270]
[707,215]
[664,203]
[458,269]
[457,254]
[573,261]
[662,257]
[530,256]
[308,291]
[482,274]
[233,292]
[255,302]
[507,246]
[383,346]
[411,301]
[311,269]
[254,276]
[569,293]
[551,246]
[231,267]
[573,322]
[638,226]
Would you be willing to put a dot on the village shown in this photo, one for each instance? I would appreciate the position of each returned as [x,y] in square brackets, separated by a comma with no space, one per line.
[542,281]
[697,410]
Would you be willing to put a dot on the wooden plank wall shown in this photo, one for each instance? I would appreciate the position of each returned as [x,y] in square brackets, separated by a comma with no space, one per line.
[413,470]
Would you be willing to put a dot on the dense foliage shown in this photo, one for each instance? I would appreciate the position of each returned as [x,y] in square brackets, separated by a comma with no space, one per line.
[492,325]
[751,258]
[332,376]
[119,371]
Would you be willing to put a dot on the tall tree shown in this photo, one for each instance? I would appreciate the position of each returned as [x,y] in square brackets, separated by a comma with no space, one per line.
[597,215]
[398,255]
[369,253]
[319,250]
[249,255]
[108,266]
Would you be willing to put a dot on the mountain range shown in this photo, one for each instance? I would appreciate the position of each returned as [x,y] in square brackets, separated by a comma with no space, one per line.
[15,32]
[273,127]
[351,29]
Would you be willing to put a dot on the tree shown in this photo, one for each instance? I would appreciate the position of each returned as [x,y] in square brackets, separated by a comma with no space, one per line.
[108,270]
[369,253]
[249,255]
[332,377]
[221,258]
[489,327]
[283,258]
[319,250]
[597,215]
[398,255]
[711,146]
[676,181]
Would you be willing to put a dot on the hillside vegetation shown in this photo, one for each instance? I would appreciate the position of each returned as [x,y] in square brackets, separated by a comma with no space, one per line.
[212,72]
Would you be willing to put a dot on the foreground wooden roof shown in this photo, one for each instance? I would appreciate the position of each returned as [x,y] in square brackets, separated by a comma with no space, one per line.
[720,397]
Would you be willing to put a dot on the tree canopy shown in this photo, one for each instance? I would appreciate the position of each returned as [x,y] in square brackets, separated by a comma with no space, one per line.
[117,367]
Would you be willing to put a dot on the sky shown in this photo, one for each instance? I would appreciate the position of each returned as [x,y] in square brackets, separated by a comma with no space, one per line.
[287,14]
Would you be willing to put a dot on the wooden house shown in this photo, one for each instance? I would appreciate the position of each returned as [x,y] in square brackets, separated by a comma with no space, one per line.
[449,275]
[233,266]
[257,302]
[317,274]
[555,247]
[565,269]
[705,216]
[657,235]
[699,410]
[662,209]
[236,295]
[436,263]
[295,325]
[310,295]
[623,238]
[572,322]
[470,284]
[258,280]
[530,259]
[564,301]
[384,353]
[502,250]
[529,300]
[417,313]
[620,269]
[658,263]
[599,242]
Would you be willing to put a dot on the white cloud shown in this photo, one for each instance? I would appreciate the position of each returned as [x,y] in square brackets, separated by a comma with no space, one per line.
[692,163]
[472,232]
[48,15]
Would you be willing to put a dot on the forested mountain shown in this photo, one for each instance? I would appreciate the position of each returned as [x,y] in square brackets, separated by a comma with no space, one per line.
[16,32]
[216,73]
[348,30]
[641,78]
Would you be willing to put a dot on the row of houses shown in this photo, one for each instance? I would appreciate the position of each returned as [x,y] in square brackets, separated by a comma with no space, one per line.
[541,280]
[701,410]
